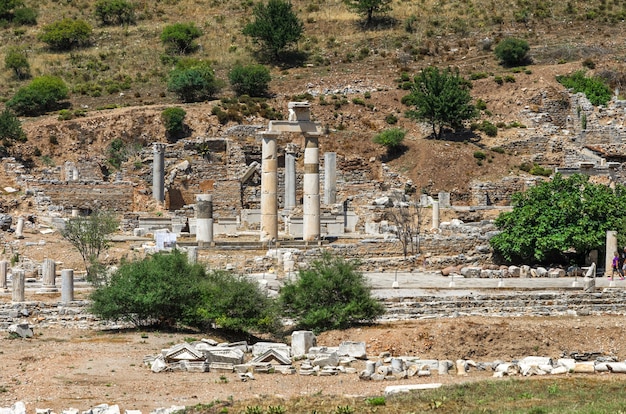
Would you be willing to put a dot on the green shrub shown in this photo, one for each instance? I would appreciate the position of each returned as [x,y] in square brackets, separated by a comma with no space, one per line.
[358,101]
[174,121]
[251,80]
[16,60]
[539,170]
[486,127]
[390,138]
[391,119]
[509,79]
[112,12]
[481,105]
[594,88]
[498,80]
[66,34]
[512,51]
[179,37]
[479,155]
[25,16]
[41,95]
[498,150]
[10,129]
[193,80]
[478,75]
[331,294]
[165,289]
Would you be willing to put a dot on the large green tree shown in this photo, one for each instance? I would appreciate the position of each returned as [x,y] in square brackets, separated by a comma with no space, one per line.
[368,8]
[441,98]
[275,25]
[42,94]
[193,80]
[559,215]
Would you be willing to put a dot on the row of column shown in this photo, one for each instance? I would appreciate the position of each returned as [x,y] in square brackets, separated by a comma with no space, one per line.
[48,281]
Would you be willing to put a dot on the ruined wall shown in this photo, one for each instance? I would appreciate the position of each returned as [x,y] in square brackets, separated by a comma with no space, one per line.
[499,193]
[86,195]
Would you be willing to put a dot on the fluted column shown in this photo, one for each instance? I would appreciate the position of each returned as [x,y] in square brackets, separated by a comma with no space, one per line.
[158,171]
[311,187]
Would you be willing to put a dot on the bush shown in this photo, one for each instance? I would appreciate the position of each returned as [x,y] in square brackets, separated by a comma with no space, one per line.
[10,129]
[391,119]
[25,16]
[179,37]
[165,289]
[252,80]
[390,138]
[594,88]
[174,120]
[193,80]
[16,60]
[331,294]
[66,34]
[41,95]
[512,51]
[111,12]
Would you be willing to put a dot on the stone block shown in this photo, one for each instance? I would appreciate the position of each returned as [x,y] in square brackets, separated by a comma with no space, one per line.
[397,389]
[232,356]
[617,367]
[587,367]
[353,349]
[260,348]
[471,271]
[322,360]
[302,341]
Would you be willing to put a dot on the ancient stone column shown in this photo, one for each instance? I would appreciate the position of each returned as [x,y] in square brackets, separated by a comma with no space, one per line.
[611,248]
[192,255]
[67,285]
[204,218]
[19,229]
[330,178]
[311,202]
[435,224]
[269,187]
[48,273]
[158,171]
[18,286]
[4,266]
[290,180]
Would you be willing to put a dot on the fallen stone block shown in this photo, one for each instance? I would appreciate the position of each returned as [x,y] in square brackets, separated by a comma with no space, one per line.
[568,363]
[302,341]
[23,330]
[461,369]
[352,349]
[584,367]
[221,367]
[261,347]
[326,359]
[617,367]
[559,370]
[396,389]
[171,410]
[158,365]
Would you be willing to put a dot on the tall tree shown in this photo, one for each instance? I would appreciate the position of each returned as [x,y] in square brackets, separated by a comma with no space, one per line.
[368,8]
[441,98]
[558,215]
[275,25]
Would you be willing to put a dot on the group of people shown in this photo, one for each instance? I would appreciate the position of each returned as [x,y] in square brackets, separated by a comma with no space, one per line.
[619,264]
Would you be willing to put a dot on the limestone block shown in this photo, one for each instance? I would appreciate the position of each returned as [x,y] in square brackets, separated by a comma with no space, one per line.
[559,370]
[302,341]
[485,274]
[524,272]
[602,367]
[423,373]
[353,349]
[23,330]
[568,363]
[431,364]
[397,365]
[444,366]
[158,365]
[322,360]
[227,355]
[554,273]
[589,284]
[396,389]
[536,360]
[514,271]
[586,367]
[617,367]
[460,367]
[471,271]
[542,272]
[533,273]
[260,348]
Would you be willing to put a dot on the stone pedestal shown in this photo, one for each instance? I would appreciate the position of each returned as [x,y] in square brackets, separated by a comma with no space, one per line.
[67,285]
[311,186]
[204,218]
[48,273]
[269,187]
[18,286]
[4,266]
[158,171]
[330,178]
[290,180]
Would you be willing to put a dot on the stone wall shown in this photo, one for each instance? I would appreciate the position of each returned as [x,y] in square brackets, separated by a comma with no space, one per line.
[85,195]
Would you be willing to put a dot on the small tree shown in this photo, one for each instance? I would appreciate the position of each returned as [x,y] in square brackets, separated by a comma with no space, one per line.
[331,294]
[16,60]
[193,80]
[179,37]
[251,80]
[25,16]
[112,12]
[39,96]
[368,8]
[66,34]
[7,7]
[275,25]
[512,51]
[174,120]
[391,139]
[90,236]
[441,98]
[10,130]
[406,215]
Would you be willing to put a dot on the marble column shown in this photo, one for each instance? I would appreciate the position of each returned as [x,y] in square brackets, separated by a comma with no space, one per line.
[4,267]
[311,186]
[269,187]
[18,286]
[192,255]
[19,229]
[611,248]
[330,178]
[435,224]
[67,285]
[48,273]
[290,180]
[158,171]
[204,218]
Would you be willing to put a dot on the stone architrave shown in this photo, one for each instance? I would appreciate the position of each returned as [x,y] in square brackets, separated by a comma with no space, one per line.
[269,187]
[67,285]
[48,273]
[4,267]
[18,286]
[311,187]
[158,171]
[204,218]
[330,178]
[611,248]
